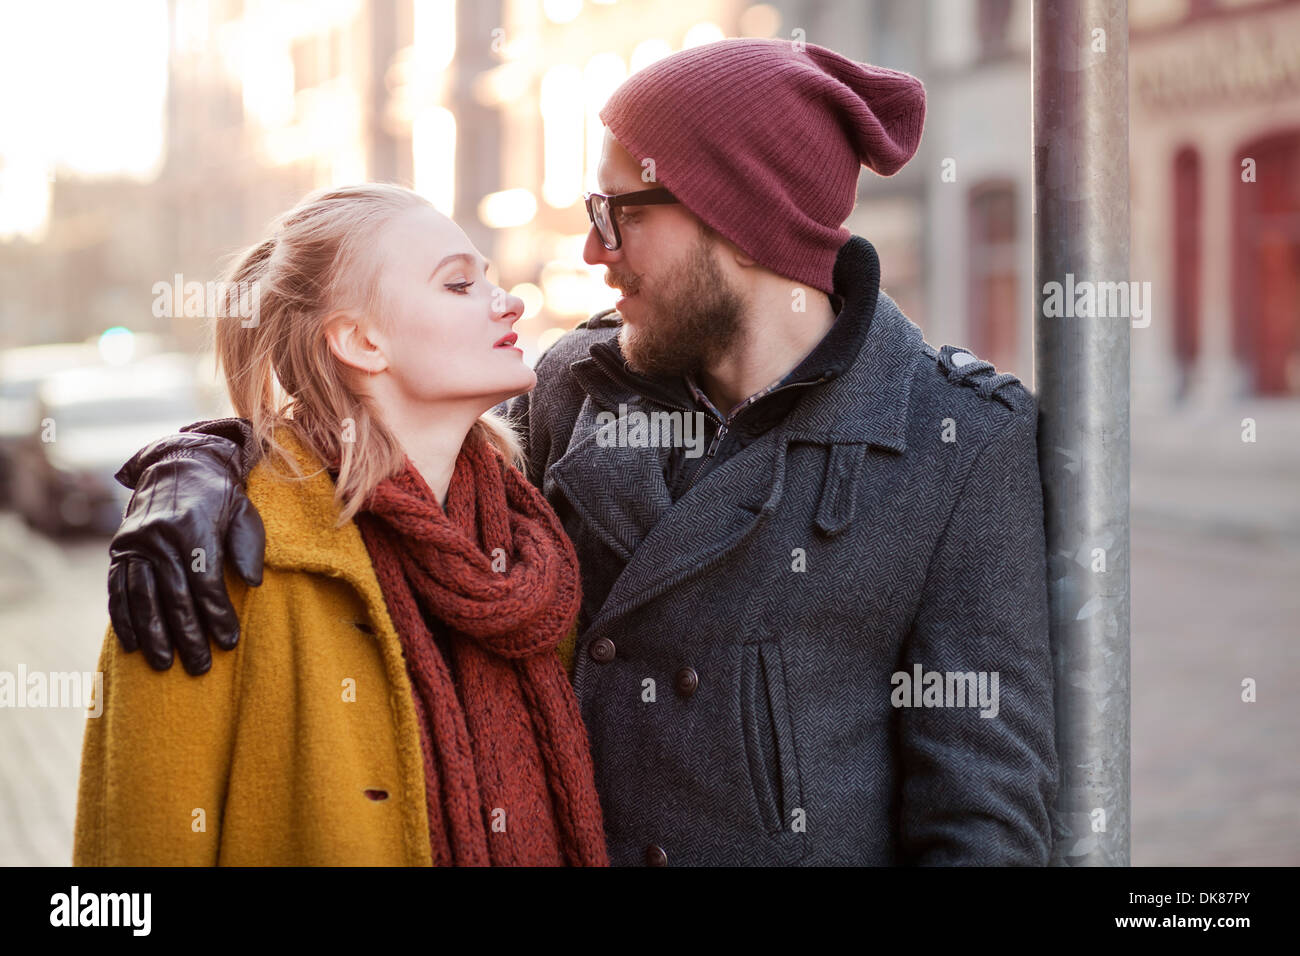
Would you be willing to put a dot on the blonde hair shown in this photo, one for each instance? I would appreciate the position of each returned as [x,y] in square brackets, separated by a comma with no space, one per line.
[279,369]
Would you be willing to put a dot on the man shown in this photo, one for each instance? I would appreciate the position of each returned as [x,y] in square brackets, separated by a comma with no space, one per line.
[817,636]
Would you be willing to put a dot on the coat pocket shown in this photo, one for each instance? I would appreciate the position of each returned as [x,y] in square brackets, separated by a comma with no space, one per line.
[769,742]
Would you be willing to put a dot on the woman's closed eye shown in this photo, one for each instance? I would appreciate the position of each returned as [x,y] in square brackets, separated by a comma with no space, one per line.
[460,288]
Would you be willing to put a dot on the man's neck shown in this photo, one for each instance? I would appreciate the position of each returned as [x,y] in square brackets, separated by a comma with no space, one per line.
[776,340]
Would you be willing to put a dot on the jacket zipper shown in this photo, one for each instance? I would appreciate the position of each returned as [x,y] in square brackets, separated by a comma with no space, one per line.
[721,434]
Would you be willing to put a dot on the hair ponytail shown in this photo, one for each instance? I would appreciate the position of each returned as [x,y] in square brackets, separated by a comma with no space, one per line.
[250,375]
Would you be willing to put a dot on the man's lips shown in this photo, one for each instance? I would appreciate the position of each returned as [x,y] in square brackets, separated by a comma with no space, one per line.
[623,288]
[506,341]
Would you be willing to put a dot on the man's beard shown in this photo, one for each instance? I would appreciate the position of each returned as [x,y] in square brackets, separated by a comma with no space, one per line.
[694,320]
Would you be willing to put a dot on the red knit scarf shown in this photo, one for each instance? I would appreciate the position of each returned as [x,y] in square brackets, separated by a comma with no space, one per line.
[507,763]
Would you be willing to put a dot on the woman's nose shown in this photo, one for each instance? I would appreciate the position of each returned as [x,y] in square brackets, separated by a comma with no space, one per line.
[506,305]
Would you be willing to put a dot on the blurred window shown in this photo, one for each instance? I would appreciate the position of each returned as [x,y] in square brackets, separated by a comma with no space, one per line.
[1266,254]
[1187,261]
[306,63]
[994,21]
[994,275]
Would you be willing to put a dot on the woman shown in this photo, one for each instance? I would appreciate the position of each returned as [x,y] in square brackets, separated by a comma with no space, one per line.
[397,696]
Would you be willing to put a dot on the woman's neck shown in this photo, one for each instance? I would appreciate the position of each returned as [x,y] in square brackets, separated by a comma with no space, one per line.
[432,437]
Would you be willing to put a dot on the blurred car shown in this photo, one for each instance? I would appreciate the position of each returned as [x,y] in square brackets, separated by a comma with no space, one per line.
[87,422]
[22,371]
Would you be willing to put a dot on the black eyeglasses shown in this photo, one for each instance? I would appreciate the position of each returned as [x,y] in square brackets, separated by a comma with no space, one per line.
[600,210]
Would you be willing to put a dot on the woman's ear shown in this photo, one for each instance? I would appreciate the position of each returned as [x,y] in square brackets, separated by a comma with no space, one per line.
[356,342]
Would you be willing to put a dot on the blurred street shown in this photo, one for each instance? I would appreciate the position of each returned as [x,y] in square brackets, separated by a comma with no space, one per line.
[1216,562]
[1215,781]
[53,613]
[1216,558]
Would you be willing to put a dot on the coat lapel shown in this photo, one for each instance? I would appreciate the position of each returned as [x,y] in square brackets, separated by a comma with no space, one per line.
[620,492]
[704,525]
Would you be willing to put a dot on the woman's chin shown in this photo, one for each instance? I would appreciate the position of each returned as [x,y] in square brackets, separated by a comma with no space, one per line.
[523,380]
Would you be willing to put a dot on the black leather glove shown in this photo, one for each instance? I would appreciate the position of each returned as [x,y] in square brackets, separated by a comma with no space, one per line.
[188,495]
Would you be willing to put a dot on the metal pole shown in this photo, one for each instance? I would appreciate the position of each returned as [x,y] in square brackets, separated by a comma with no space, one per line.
[1081,377]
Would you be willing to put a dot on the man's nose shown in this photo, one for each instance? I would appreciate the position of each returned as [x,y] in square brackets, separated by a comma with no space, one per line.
[594,252]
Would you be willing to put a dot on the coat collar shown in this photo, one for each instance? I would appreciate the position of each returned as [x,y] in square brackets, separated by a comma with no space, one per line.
[856,381]
[300,515]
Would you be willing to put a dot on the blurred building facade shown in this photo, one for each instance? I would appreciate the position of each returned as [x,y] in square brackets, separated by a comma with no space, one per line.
[976,153]
[1215,126]
[265,102]
[99,250]
[1215,176]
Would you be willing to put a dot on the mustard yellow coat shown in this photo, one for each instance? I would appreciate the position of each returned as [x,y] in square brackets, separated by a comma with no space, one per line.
[299,747]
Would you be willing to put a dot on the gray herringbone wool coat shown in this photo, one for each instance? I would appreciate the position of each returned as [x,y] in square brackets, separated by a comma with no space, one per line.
[738,647]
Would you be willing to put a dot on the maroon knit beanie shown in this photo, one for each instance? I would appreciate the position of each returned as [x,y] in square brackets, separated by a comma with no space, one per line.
[763,140]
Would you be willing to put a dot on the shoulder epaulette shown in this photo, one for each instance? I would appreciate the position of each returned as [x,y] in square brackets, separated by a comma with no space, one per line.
[965,368]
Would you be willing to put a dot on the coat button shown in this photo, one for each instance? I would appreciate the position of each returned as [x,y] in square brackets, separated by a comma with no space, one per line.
[687,681]
[601,650]
[959,359]
[655,856]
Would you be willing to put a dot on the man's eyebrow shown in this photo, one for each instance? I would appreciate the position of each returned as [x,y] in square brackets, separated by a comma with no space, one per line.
[461,256]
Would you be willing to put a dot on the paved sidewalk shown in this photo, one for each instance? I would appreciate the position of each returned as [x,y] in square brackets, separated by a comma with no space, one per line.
[52,618]
[1191,468]
[1215,781]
